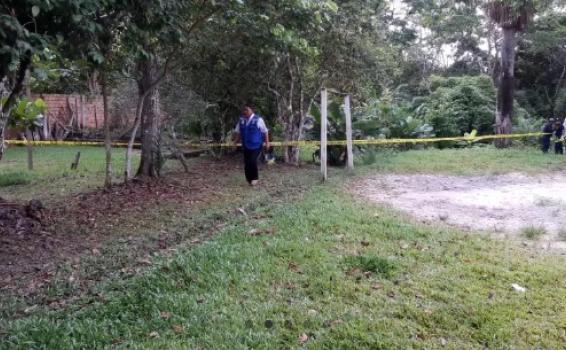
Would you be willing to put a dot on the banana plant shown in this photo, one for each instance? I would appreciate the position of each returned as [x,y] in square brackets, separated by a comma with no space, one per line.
[27,116]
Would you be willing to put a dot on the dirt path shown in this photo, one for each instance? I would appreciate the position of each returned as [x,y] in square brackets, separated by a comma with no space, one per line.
[503,205]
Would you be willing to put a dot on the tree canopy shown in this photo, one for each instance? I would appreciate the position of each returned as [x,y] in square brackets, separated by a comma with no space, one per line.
[199,61]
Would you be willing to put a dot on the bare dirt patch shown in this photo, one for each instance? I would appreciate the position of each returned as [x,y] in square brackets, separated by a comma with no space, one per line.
[503,205]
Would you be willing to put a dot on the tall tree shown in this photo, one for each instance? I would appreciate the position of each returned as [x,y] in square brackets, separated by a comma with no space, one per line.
[541,66]
[512,16]
[157,32]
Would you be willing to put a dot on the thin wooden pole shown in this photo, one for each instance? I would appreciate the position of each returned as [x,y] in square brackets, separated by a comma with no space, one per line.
[323,133]
[349,146]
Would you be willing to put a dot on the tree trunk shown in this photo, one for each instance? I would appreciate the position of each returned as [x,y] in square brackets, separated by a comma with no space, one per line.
[29,146]
[107,136]
[288,150]
[129,149]
[150,162]
[504,114]
[10,89]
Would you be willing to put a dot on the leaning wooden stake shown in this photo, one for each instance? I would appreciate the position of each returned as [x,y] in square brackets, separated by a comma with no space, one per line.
[323,133]
[75,164]
[349,146]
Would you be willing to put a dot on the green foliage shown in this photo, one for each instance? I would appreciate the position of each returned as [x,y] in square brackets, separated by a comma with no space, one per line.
[27,114]
[29,26]
[560,104]
[376,119]
[524,124]
[540,66]
[386,119]
[336,127]
[58,73]
[458,105]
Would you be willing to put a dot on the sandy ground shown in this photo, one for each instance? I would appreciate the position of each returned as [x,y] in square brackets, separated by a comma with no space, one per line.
[502,205]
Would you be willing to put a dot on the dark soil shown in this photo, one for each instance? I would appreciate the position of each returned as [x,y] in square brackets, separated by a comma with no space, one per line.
[36,245]
[34,242]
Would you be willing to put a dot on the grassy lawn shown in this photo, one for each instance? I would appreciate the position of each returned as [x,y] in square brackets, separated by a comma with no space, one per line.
[52,177]
[323,271]
[467,161]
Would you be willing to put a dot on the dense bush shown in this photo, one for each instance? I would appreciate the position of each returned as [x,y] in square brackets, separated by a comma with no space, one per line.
[386,119]
[457,105]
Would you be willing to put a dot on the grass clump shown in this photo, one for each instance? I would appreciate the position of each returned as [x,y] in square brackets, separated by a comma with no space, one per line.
[13,178]
[533,232]
[368,263]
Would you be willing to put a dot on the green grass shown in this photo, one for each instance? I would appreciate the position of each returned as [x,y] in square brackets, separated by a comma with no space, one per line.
[533,232]
[345,273]
[12,178]
[52,177]
[372,264]
[242,291]
[467,161]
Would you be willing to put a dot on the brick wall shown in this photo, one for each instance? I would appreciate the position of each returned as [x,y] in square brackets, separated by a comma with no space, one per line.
[73,115]
[80,111]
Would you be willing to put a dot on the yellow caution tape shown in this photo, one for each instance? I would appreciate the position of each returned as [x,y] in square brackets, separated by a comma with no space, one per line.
[66,143]
[469,138]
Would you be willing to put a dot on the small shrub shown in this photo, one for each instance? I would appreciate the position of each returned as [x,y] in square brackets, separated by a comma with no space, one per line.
[14,178]
[368,157]
[533,232]
[384,267]
[562,235]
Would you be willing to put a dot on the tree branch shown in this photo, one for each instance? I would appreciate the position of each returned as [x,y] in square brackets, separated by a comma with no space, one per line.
[559,84]
[19,83]
[201,20]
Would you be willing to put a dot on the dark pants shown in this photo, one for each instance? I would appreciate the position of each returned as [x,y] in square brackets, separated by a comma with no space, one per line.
[559,148]
[250,163]
[545,144]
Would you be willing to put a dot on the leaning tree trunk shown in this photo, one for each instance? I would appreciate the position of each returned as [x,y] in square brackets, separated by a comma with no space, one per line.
[150,162]
[10,89]
[107,136]
[504,114]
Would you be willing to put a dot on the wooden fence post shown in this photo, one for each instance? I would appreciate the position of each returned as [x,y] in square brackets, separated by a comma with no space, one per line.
[323,133]
[349,146]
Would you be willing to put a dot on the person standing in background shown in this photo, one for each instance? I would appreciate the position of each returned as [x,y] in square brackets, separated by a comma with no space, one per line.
[548,129]
[252,132]
[559,137]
